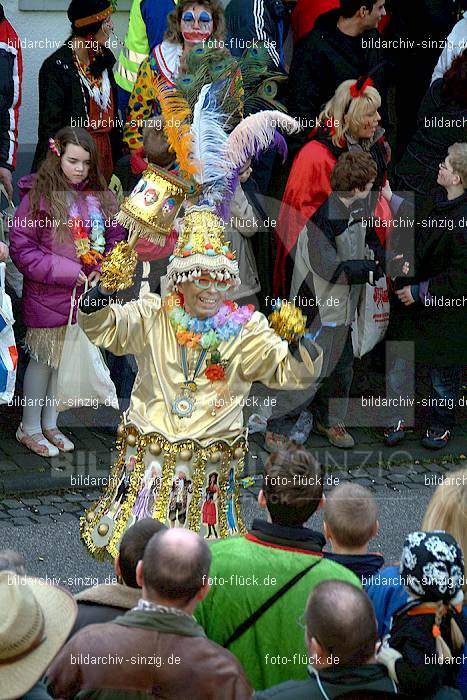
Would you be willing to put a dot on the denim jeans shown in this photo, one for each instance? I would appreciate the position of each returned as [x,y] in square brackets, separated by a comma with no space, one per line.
[443,399]
[332,398]
[445,390]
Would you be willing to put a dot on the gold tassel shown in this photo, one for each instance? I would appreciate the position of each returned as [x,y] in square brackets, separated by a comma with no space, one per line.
[289,322]
[118,267]
[134,226]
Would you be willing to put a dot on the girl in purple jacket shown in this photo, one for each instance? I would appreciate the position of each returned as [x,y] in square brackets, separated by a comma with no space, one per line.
[61,230]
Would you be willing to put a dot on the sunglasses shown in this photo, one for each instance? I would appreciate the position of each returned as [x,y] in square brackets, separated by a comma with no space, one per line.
[203,17]
[206,282]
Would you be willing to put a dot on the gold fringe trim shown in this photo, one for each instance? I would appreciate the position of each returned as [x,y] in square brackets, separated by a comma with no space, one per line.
[218,456]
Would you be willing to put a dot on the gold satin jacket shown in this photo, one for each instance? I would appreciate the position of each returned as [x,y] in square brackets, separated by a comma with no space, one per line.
[142,328]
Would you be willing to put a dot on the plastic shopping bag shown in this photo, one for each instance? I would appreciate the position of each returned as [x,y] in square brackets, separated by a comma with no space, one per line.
[83,377]
[372,320]
[8,351]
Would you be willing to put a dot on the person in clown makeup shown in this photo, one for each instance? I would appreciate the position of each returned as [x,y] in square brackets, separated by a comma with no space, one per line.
[189,24]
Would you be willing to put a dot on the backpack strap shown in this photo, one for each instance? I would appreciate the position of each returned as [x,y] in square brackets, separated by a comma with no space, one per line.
[250,621]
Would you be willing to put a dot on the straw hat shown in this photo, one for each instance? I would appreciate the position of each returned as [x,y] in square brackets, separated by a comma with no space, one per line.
[36,619]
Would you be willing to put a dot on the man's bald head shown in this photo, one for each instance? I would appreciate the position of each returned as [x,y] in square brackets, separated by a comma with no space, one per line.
[341,618]
[176,564]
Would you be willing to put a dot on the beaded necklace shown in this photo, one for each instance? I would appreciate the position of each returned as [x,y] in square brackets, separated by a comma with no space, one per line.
[206,335]
[88,235]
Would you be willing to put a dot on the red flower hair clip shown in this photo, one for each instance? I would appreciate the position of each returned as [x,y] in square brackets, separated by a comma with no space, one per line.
[54,147]
[359,87]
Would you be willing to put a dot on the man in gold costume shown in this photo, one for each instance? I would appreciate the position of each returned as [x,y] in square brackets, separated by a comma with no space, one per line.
[198,355]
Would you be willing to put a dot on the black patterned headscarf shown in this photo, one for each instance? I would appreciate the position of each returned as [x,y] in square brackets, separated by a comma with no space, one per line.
[432,565]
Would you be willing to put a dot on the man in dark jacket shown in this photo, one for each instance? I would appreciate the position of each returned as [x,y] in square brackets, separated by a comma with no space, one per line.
[157,648]
[432,308]
[341,635]
[11,75]
[106,601]
[339,47]
[250,21]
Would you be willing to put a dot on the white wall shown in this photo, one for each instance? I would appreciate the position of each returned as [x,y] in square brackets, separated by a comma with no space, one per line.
[34,27]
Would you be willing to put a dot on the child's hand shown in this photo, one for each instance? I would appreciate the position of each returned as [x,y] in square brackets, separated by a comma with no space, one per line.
[3,252]
[94,277]
[405,295]
[81,279]
[386,191]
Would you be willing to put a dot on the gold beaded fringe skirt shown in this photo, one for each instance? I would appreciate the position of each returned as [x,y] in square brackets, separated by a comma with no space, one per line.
[182,484]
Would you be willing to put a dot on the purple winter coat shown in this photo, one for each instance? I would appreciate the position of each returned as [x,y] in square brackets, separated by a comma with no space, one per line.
[50,268]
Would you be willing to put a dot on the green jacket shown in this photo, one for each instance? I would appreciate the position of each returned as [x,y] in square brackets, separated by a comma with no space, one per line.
[245,572]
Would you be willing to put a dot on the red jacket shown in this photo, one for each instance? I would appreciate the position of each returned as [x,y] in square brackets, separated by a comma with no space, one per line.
[11,76]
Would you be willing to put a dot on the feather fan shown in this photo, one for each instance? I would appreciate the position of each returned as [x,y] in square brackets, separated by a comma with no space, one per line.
[176,113]
[256,133]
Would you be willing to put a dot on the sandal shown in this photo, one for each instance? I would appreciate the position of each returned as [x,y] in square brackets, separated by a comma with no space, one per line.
[58,439]
[37,443]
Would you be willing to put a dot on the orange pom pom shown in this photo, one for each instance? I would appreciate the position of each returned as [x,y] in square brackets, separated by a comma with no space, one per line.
[436,631]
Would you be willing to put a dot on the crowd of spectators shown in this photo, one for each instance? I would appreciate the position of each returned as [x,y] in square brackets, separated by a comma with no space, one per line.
[285,611]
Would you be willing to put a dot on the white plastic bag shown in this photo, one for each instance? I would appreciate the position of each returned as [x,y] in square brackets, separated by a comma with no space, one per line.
[83,377]
[372,319]
[8,351]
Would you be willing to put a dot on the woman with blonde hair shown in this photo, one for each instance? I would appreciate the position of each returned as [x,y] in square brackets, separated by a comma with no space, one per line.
[349,121]
[190,23]
[446,511]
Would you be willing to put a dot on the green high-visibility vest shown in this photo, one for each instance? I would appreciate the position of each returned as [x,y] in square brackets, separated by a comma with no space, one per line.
[136,49]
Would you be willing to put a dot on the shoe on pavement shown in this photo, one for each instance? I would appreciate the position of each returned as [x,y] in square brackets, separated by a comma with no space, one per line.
[336,434]
[436,438]
[58,439]
[302,428]
[37,443]
[395,434]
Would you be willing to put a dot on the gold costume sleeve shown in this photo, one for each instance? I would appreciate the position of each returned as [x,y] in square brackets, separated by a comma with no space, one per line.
[122,329]
[266,358]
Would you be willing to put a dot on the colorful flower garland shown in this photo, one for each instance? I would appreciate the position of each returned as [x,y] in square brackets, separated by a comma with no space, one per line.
[210,332]
[89,244]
